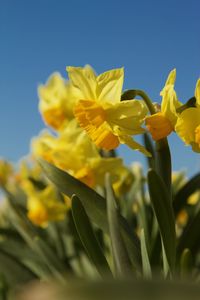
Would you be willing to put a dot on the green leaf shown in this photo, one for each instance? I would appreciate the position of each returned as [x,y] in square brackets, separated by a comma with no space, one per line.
[94,205]
[162,206]
[88,238]
[180,199]
[121,259]
[145,258]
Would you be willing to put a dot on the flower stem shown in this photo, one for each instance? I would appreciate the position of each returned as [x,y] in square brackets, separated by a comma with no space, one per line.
[147,100]
[163,156]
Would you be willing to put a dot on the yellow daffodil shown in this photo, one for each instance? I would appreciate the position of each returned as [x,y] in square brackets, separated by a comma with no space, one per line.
[57,99]
[43,206]
[74,152]
[162,123]
[107,120]
[188,123]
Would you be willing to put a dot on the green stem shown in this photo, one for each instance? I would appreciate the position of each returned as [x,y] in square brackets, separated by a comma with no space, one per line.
[147,100]
[163,156]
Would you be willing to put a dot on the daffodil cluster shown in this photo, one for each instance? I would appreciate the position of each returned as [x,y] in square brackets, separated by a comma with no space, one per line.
[88,116]
[89,120]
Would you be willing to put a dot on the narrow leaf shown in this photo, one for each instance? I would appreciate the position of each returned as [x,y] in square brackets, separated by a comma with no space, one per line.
[162,206]
[145,258]
[88,238]
[120,255]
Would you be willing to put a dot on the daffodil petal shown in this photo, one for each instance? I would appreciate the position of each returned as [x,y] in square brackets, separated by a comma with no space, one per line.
[125,139]
[110,84]
[129,115]
[83,79]
[186,124]
[197,92]
[171,78]
[170,101]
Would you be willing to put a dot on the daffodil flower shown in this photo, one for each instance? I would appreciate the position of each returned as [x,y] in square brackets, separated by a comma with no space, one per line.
[188,123]
[107,120]
[43,206]
[57,99]
[162,123]
[84,162]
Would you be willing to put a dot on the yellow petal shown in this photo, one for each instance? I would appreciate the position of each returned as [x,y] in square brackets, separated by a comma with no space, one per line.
[37,213]
[53,89]
[170,101]
[187,123]
[171,78]
[83,79]
[42,146]
[129,115]
[125,139]
[110,84]
[197,92]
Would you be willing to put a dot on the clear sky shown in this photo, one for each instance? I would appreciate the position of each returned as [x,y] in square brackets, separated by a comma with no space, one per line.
[147,37]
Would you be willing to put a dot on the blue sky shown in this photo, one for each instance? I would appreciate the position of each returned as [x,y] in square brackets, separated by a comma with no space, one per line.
[148,38]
